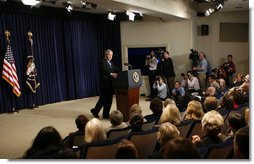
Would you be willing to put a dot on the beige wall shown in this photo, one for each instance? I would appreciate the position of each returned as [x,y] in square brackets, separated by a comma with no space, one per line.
[217,51]
[180,36]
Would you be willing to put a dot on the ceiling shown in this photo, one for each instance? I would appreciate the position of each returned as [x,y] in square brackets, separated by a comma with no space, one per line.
[103,6]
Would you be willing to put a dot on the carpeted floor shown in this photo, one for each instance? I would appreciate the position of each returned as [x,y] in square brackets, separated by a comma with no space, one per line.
[19,130]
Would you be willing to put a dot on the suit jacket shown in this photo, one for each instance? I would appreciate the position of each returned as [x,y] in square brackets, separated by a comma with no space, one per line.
[105,70]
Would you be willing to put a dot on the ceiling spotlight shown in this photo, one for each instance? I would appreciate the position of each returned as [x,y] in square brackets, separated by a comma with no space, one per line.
[111,16]
[131,15]
[83,3]
[69,8]
[31,2]
[220,6]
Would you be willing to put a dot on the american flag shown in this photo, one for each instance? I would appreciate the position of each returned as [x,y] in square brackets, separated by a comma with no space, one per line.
[10,72]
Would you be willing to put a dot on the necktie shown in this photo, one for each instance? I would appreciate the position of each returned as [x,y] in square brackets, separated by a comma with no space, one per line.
[110,65]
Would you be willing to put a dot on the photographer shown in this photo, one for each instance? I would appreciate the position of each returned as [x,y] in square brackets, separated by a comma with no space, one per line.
[160,88]
[178,93]
[229,68]
[194,57]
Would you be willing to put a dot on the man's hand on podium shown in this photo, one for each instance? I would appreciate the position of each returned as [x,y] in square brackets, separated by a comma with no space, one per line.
[114,75]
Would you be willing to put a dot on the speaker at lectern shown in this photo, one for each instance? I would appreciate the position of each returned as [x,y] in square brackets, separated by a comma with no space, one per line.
[126,87]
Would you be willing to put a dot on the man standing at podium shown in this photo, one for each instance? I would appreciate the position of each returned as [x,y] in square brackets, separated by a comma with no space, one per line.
[107,72]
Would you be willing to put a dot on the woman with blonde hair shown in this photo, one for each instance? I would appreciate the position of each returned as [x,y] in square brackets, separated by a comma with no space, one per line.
[171,114]
[167,132]
[94,131]
[194,111]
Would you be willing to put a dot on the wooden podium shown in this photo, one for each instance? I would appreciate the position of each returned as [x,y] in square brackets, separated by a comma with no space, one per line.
[126,87]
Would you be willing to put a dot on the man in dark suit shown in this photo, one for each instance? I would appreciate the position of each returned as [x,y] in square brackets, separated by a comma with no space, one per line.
[107,72]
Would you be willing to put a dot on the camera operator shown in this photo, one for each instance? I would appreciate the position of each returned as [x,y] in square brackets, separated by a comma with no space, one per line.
[160,88]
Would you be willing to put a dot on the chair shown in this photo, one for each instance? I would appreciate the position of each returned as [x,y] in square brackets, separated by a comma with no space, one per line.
[149,124]
[219,151]
[144,142]
[184,128]
[115,133]
[196,129]
[100,150]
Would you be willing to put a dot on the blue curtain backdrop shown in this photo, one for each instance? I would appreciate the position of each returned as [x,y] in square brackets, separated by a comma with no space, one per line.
[67,51]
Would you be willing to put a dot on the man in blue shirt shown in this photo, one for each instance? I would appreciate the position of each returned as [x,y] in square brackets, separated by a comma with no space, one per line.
[178,93]
[201,70]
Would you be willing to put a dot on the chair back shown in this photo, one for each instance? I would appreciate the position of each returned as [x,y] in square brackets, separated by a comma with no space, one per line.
[196,129]
[219,151]
[184,128]
[100,150]
[149,124]
[144,142]
[116,133]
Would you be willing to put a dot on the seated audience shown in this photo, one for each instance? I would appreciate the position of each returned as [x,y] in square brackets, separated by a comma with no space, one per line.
[235,121]
[126,150]
[116,120]
[238,80]
[178,93]
[241,144]
[210,91]
[212,82]
[194,111]
[247,116]
[171,114]
[212,123]
[210,103]
[94,131]
[156,106]
[136,122]
[192,83]
[169,101]
[80,122]
[167,132]
[136,108]
[48,145]
[222,89]
[160,88]
[181,148]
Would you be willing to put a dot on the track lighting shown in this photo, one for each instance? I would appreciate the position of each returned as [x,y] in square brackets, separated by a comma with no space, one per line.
[131,15]
[111,16]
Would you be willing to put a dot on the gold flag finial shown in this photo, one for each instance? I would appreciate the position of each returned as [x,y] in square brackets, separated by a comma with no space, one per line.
[30,34]
[7,34]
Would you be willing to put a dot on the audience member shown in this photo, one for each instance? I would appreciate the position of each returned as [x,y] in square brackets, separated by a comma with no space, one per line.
[210,103]
[192,83]
[235,121]
[126,150]
[241,144]
[229,68]
[156,106]
[212,123]
[116,120]
[247,116]
[167,132]
[169,101]
[238,80]
[194,111]
[222,89]
[80,122]
[181,148]
[171,114]
[212,82]
[178,94]
[94,131]
[48,145]
[136,122]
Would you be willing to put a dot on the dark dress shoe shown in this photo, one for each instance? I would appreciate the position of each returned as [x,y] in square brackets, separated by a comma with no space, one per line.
[94,113]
